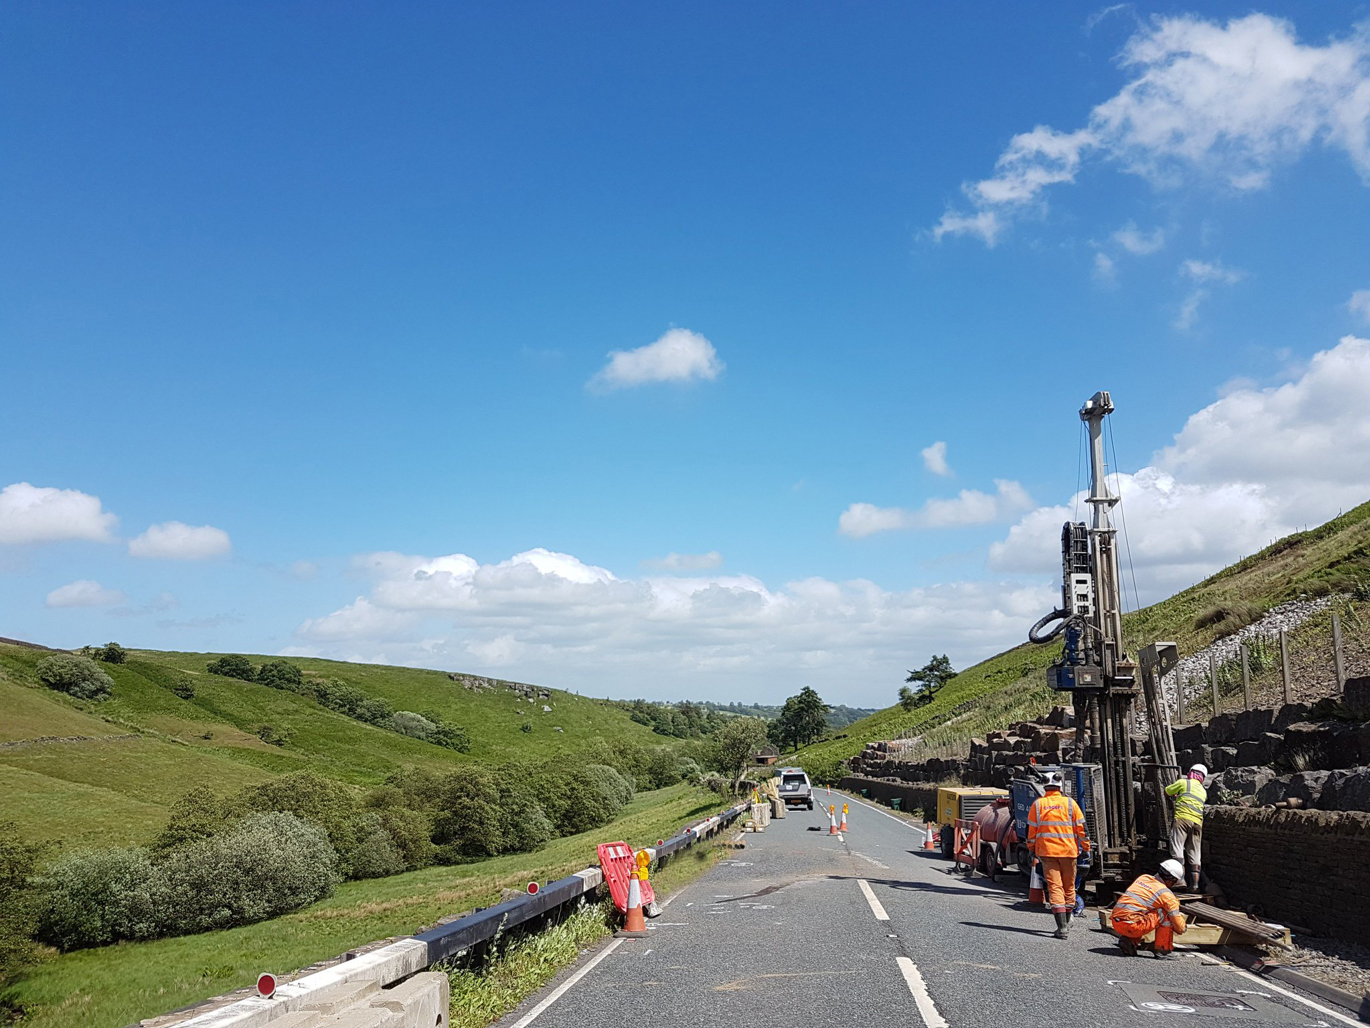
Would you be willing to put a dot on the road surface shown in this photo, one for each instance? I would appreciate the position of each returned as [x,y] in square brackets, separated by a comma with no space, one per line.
[801,929]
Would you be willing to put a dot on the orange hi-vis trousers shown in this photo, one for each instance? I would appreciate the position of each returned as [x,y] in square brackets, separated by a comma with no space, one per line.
[1135,926]
[1058,873]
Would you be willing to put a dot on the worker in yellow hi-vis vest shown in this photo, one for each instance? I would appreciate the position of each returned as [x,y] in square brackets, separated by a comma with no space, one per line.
[1186,835]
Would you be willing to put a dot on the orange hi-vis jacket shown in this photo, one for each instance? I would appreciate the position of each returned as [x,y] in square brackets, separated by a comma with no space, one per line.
[1148,900]
[1056,827]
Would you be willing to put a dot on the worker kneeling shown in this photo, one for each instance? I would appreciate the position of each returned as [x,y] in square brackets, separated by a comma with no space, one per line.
[1149,905]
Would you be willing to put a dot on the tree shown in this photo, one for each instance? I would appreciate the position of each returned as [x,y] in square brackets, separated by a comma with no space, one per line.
[113,653]
[931,677]
[233,665]
[908,699]
[280,674]
[76,676]
[734,745]
[184,688]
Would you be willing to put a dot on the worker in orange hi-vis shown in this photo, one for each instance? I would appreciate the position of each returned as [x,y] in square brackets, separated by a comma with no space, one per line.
[1149,905]
[1056,836]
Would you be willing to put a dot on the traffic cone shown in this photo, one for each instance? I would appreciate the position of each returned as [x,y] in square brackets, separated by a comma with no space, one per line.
[843,826]
[832,820]
[634,923]
[928,844]
[1036,886]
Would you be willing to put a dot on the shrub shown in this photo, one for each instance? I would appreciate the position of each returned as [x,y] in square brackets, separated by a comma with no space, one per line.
[416,726]
[95,897]
[266,865]
[280,674]
[184,688]
[17,913]
[527,726]
[580,798]
[76,676]
[375,855]
[113,653]
[484,812]
[452,736]
[410,833]
[197,815]
[275,736]
[233,665]
[374,712]
[321,801]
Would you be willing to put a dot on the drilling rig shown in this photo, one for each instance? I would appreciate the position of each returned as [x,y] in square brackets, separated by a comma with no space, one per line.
[1130,815]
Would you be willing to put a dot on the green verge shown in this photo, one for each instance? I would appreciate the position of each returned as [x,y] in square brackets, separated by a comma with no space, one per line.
[121,984]
[1333,558]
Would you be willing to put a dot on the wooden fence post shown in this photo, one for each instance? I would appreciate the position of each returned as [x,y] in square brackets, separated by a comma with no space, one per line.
[1246,677]
[1213,678]
[1284,666]
[1338,658]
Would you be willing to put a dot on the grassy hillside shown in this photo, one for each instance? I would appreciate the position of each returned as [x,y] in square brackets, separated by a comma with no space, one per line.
[1333,558]
[82,772]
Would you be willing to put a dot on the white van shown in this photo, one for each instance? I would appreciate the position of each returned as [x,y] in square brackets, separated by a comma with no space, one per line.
[795,788]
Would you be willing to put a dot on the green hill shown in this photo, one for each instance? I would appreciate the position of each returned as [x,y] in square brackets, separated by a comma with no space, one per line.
[85,772]
[1331,559]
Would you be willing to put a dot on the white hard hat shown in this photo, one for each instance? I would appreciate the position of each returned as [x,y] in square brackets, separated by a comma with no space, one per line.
[1199,769]
[1173,870]
[1053,778]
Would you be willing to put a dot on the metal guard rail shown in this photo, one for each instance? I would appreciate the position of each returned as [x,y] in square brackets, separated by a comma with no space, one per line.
[457,937]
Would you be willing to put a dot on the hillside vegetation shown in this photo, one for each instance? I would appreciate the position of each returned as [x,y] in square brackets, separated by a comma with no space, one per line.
[1333,558]
[85,772]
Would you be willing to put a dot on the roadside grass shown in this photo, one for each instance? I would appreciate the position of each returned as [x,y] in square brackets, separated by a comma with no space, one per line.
[121,984]
[483,995]
[1010,686]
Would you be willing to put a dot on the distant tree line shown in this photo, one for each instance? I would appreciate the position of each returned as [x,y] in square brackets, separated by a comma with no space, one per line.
[684,720]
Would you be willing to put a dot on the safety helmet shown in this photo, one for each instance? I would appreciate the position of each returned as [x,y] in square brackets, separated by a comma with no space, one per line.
[1173,870]
[1053,779]
[1199,769]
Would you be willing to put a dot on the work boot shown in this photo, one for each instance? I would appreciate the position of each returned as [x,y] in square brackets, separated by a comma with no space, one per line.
[1062,924]
[1128,946]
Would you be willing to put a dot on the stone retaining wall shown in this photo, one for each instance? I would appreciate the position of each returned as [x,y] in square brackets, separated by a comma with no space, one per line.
[1307,867]
[912,798]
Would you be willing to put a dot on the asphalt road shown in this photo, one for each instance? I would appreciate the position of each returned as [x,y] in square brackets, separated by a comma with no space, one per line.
[786,934]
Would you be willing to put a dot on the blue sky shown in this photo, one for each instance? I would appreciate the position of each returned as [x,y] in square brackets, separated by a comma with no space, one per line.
[326,297]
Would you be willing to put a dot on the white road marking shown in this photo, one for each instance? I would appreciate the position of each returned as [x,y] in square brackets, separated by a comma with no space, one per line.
[876,908]
[927,1009]
[561,989]
[871,860]
[1265,983]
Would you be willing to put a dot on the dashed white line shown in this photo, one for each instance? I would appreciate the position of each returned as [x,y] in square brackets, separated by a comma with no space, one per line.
[876,908]
[561,989]
[927,1009]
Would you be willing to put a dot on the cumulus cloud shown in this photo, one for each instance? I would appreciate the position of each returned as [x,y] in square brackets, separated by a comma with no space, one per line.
[968,507]
[1211,271]
[551,617]
[1229,102]
[685,562]
[1134,240]
[173,540]
[1104,269]
[40,514]
[678,356]
[935,459]
[1359,303]
[1251,467]
[84,593]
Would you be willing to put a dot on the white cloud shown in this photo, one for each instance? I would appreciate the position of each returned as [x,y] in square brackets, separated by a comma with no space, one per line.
[685,562]
[935,459]
[1104,268]
[1134,240]
[40,514]
[84,593]
[1360,303]
[1211,271]
[173,540]
[1189,309]
[1231,102]
[678,356]
[1249,468]
[548,617]
[969,507]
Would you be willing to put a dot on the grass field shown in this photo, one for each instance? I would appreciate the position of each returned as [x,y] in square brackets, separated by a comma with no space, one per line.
[1333,558]
[82,773]
[117,985]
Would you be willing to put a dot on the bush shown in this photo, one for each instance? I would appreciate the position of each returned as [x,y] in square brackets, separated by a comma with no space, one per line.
[452,736]
[113,653]
[275,736]
[527,726]
[410,833]
[266,865]
[76,676]
[95,897]
[184,688]
[375,855]
[233,665]
[280,674]
[416,726]
[17,913]
[321,801]
[197,815]
[485,812]
[580,798]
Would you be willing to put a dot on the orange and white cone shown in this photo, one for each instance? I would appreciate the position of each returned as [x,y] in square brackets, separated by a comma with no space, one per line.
[843,826]
[1036,886]
[928,844]
[832,820]
[634,923]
